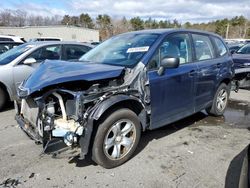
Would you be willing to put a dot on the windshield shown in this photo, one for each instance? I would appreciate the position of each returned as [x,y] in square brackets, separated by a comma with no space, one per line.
[123,50]
[244,50]
[12,54]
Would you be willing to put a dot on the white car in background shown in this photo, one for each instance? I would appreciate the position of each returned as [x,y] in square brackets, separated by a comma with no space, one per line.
[12,38]
[45,39]
[18,63]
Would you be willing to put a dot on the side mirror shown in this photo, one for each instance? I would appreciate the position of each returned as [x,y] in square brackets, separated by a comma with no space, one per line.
[168,63]
[29,61]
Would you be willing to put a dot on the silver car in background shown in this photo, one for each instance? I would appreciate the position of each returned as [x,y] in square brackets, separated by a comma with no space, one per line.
[18,63]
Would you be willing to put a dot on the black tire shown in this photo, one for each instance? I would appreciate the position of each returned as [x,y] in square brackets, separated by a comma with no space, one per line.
[3,98]
[215,110]
[100,152]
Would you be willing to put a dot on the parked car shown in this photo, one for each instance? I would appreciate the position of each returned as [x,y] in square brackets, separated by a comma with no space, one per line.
[95,43]
[5,46]
[234,47]
[241,60]
[11,38]
[45,39]
[18,63]
[129,83]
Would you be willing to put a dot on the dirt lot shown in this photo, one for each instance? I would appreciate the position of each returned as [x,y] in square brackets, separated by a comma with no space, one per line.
[199,151]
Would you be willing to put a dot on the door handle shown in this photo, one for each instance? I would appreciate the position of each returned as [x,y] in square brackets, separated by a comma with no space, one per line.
[192,73]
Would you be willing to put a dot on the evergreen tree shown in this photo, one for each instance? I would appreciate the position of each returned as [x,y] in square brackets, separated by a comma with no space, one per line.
[137,23]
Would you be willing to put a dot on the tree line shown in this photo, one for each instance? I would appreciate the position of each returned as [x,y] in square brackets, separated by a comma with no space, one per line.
[237,27]
[20,18]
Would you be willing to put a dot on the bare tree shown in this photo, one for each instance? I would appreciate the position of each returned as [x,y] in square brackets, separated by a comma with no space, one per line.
[5,17]
[19,18]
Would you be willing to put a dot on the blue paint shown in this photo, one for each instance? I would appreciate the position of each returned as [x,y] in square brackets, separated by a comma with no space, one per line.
[54,72]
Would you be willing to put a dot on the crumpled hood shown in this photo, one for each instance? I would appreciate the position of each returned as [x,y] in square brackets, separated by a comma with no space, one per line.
[55,72]
[240,59]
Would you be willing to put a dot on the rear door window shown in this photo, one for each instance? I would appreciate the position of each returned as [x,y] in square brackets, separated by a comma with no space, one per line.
[221,48]
[203,47]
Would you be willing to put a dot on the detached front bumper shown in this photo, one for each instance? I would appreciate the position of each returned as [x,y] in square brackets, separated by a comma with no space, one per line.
[27,129]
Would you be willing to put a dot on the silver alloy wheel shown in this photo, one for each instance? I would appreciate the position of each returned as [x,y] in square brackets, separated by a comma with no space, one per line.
[221,101]
[119,139]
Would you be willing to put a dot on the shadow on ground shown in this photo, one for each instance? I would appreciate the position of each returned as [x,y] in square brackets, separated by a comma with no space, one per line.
[148,136]
[82,163]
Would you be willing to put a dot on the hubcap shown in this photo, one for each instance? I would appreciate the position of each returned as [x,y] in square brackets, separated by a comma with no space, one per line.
[119,139]
[221,100]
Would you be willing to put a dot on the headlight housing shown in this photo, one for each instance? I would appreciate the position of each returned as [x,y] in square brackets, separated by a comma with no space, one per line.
[22,91]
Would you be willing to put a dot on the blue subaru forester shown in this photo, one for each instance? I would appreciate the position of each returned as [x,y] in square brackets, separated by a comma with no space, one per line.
[129,83]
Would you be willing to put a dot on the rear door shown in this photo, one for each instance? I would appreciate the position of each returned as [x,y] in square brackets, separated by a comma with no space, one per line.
[208,69]
[172,94]
[22,71]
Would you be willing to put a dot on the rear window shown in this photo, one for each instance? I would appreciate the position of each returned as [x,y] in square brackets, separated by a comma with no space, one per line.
[203,47]
[221,48]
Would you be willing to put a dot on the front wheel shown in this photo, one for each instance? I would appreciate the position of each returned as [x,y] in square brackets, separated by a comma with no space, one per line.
[116,139]
[220,101]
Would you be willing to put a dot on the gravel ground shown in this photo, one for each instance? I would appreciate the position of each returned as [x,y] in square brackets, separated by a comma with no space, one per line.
[199,151]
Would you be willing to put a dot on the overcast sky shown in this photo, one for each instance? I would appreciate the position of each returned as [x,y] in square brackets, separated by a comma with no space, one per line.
[182,10]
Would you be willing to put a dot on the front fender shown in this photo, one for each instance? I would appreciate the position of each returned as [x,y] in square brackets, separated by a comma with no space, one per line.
[106,104]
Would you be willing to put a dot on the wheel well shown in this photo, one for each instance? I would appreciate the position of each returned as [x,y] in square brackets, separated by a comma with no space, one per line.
[227,81]
[5,89]
[133,105]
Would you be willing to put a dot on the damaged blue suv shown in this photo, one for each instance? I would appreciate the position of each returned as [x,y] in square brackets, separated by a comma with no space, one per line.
[128,84]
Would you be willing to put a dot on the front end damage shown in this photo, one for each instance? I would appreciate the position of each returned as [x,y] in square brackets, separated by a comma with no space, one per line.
[242,71]
[62,116]
[242,78]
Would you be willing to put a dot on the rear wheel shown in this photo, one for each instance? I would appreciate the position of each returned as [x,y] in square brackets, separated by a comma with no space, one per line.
[3,98]
[116,138]
[220,101]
